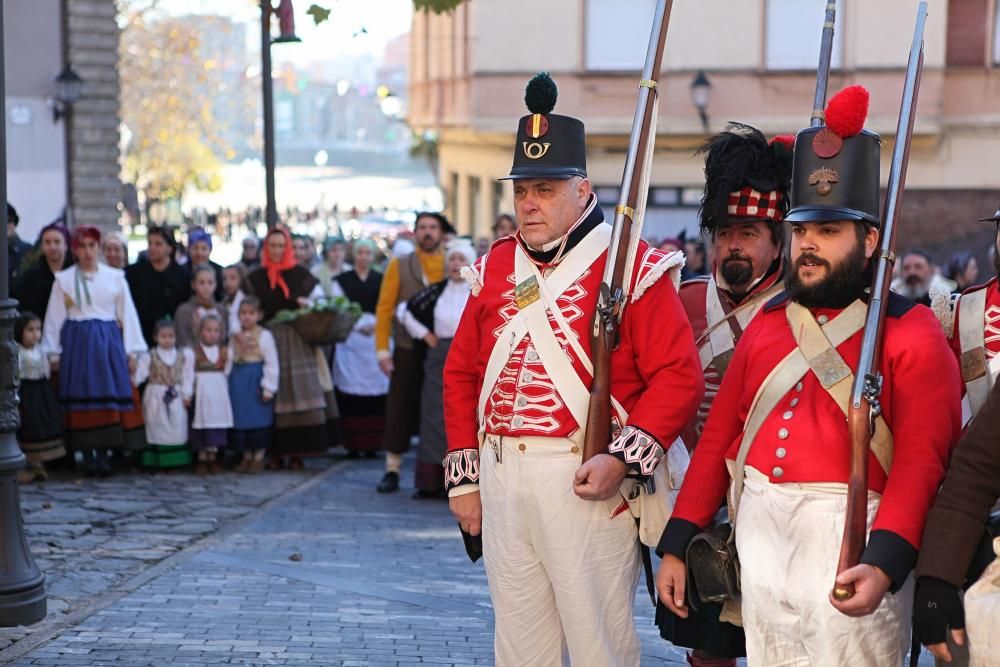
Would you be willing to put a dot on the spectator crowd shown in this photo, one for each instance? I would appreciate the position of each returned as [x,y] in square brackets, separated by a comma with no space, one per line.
[174,361]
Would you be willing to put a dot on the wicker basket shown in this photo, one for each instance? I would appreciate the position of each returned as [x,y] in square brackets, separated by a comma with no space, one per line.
[325,327]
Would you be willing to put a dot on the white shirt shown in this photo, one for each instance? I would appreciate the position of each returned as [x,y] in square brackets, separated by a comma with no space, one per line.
[109,301]
[447,312]
[269,350]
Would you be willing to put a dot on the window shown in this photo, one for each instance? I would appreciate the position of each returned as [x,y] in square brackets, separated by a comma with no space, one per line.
[498,203]
[607,21]
[474,206]
[791,34]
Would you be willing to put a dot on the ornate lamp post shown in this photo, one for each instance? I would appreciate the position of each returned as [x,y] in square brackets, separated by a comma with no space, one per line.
[286,23]
[22,585]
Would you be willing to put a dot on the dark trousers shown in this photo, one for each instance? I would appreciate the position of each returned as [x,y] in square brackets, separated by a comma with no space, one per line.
[402,404]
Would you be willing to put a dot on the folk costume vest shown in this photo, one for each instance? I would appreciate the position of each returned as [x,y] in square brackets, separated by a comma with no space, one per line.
[412,280]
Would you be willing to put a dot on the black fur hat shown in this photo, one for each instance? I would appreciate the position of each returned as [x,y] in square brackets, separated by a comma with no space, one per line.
[746,177]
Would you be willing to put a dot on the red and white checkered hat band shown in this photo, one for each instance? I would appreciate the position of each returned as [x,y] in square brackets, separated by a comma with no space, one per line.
[750,203]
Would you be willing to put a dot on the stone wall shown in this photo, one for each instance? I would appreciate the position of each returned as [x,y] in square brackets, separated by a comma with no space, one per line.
[94,124]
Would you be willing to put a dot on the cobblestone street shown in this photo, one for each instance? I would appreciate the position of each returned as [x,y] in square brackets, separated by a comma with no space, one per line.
[331,574]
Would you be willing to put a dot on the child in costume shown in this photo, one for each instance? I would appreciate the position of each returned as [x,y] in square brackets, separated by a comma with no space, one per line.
[169,375]
[41,432]
[213,413]
[253,382]
[232,278]
[201,303]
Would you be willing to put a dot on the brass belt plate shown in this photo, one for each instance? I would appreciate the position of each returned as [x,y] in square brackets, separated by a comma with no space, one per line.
[973,364]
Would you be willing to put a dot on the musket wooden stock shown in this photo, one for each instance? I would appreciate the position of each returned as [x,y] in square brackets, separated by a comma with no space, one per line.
[614,289]
[867,379]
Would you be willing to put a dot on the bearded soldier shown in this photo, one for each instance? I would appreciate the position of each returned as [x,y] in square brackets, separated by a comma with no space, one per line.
[745,200]
[779,421]
[559,544]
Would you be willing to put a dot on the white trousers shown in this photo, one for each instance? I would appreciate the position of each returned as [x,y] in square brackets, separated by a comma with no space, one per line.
[982,615]
[562,572]
[788,538]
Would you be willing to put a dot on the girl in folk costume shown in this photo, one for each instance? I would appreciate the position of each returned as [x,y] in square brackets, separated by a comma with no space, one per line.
[360,385]
[41,432]
[300,406]
[213,414]
[253,382]
[92,334]
[202,302]
[432,316]
[232,278]
[169,376]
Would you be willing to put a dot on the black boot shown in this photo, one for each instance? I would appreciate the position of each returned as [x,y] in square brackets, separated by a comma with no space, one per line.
[389,483]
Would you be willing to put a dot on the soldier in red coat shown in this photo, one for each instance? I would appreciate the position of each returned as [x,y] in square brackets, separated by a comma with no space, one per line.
[745,200]
[975,337]
[559,543]
[778,424]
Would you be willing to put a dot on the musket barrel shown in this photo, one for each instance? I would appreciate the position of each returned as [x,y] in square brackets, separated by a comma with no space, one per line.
[823,70]
[894,190]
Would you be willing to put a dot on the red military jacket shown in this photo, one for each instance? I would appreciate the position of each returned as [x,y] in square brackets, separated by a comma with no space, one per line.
[990,324]
[693,294]
[655,373]
[805,438]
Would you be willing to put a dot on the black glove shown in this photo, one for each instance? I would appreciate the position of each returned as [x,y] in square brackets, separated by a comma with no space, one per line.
[937,607]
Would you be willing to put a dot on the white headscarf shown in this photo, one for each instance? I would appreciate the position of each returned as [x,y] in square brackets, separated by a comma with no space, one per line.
[463,246]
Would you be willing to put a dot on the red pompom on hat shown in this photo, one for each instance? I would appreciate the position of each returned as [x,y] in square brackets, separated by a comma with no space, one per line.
[847,110]
[786,140]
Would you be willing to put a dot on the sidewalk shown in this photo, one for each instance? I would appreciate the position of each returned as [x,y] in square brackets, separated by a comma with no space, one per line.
[90,537]
[335,574]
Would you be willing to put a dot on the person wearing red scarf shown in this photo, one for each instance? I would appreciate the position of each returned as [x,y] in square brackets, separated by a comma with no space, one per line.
[304,399]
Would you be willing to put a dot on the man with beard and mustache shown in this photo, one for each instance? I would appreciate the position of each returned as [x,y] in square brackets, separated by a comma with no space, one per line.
[780,415]
[916,275]
[745,200]
[403,362]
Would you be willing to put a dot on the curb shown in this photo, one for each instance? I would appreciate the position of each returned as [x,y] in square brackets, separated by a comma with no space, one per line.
[117,592]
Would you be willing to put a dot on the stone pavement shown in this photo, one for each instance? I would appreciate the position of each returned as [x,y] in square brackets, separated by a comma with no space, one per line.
[330,574]
[91,536]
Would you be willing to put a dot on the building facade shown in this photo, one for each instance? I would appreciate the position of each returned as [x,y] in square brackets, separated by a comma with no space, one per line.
[468,71]
[81,147]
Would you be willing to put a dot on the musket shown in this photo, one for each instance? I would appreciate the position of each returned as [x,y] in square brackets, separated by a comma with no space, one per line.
[865,406]
[627,226]
[823,70]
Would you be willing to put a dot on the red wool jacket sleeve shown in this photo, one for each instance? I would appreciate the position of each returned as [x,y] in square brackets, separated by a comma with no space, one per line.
[663,391]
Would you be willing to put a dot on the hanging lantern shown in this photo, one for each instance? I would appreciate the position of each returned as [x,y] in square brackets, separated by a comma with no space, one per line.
[286,22]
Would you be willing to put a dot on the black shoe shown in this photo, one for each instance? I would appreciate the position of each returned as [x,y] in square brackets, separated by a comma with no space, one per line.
[389,483]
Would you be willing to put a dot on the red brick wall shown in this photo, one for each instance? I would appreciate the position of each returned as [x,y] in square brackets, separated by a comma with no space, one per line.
[943,222]
[967,32]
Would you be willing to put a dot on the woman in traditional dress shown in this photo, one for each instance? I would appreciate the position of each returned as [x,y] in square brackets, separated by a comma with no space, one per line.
[333,264]
[360,385]
[35,282]
[300,407]
[432,315]
[92,334]
[169,375]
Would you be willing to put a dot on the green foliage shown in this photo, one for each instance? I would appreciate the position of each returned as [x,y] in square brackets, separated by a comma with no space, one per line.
[437,6]
[318,14]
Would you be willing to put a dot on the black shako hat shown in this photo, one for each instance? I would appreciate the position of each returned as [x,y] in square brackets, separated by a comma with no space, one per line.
[548,145]
[993,218]
[835,167]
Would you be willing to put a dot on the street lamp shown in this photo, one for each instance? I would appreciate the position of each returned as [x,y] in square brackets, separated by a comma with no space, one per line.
[286,24]
[22,585]
[69,86]
[701,88]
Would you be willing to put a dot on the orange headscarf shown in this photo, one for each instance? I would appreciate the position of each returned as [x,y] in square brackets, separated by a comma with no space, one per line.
[274,271]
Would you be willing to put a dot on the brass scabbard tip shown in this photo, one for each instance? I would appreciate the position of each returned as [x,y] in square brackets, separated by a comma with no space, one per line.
[841,594]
